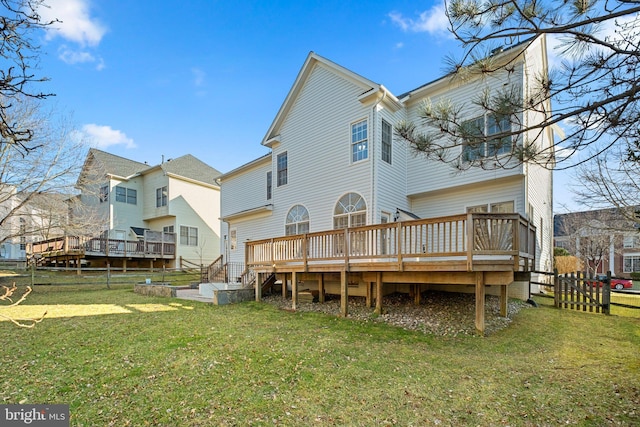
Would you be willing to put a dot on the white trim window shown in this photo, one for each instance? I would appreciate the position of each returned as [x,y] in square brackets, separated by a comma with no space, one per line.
[126,195]
[350,211]
[282,169]
[297,221]
[631,263]
[359,141]
[161,196]
[387,137]
[474,132]
[104,194]
[269,185]
[188,236]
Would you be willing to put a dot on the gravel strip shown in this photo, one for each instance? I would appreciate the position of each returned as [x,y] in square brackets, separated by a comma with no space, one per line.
[439,313]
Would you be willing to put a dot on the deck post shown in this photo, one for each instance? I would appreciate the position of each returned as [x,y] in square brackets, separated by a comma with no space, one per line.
[480,294]
[284,285]
[369,296]
[344,293]
[259,281]
[321,288]
[294,291]
[504,301]
[124,264]
[378,293]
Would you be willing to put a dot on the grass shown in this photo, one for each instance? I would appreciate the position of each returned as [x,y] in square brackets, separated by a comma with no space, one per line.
[118,358]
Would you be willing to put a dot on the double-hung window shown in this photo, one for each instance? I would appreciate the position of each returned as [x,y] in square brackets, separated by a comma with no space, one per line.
[188,236]
[359,141]
[282,169]
[104,194]
[269,185]
[387,134]
[476,146]
[126,195]
[161,196]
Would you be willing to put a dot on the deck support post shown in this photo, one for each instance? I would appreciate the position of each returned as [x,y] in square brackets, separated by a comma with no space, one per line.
[369,296]
[294,291]
[416,294]
[259,281]
[124,265]
[344,294]
[284,285]
[504,301]
[321,288]
[480,297]
[78,266]
[378,310]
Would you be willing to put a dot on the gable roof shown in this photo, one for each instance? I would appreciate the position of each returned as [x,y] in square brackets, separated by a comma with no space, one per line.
[189,167]
[186,166]
[115,165]
[371,91]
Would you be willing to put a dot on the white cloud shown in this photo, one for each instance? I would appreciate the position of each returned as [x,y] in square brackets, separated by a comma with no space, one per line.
[432,21]
[75,24]
[104,136]
[76,27]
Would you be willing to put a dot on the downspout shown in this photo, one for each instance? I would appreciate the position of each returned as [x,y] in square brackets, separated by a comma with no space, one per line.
[373,182]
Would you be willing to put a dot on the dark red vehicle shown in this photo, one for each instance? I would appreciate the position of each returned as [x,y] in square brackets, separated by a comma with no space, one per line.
[617,284]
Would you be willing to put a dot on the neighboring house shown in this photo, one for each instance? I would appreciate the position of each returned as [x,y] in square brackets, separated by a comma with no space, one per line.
[335,163]
[25,218]
[145,215]
[604,239]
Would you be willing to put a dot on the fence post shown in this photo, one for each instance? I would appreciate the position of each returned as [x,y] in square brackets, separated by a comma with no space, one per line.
[606,295]
[556,288]
[108,276]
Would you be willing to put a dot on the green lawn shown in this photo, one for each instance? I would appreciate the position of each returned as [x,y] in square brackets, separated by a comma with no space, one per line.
[121,359]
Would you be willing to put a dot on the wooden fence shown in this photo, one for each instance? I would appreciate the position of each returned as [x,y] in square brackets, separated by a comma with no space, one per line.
[582,292]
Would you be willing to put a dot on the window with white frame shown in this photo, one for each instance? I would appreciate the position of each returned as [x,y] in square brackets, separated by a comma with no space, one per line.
[631,263]
[500,207]
[161,196]
[631,242]
[168,229]
[387,136]
[474,131]
[104,194]
[269,185]
[233,237]
[350,211]
[188,236]
[297,221]
[126,195]
[282,169]
[359,141]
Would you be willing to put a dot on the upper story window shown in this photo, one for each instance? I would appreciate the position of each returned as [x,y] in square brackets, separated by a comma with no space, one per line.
[359,141]
[269,185]
[387,134]
[631,242]
[161,196]
[104,194]
[188,236]
[282,169]
[126,195]
[297,221]
[474,131]
[350,211]
[168,229]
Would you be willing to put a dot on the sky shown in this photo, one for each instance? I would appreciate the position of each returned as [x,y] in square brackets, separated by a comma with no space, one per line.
[153,80]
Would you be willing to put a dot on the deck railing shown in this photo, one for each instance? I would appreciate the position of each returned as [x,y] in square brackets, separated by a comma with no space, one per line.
[492,236]
[153,244]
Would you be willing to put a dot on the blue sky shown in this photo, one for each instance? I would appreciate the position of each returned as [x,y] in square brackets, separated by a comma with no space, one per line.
[145,79]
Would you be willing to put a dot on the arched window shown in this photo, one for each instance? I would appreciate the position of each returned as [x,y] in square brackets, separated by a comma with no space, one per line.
[297,221]
[350,211]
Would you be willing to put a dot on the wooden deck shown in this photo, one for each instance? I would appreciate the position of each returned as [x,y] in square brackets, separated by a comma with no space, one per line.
[470,249]
[153,245]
